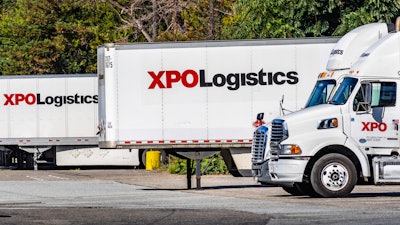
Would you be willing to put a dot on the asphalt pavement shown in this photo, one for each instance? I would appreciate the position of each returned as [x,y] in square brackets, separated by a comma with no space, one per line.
[127,196]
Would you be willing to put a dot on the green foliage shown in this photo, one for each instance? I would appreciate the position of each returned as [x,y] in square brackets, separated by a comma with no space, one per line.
[52,36]
[4,4]
[262,19]
[204,19]
[367,12]
[288,18]
[212,165]
[48,36]
[171,36]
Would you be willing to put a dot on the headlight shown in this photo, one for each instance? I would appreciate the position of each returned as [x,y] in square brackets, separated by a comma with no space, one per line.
[328,123]
[290,150]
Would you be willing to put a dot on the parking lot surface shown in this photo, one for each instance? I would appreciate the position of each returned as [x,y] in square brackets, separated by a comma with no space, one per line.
[130,196]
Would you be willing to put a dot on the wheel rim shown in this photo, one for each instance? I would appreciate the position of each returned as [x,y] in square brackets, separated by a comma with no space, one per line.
[334,176]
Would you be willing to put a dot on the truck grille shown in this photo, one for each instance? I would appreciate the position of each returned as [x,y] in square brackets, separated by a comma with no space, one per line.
[259,143]
[278,131]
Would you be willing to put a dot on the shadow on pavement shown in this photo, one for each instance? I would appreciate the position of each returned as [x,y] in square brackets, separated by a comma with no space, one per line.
[207,188]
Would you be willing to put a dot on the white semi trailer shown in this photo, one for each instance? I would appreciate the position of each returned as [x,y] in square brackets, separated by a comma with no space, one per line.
[196,98]
[52,119]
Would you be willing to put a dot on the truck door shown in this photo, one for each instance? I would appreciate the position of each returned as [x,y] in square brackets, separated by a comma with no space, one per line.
[374,118]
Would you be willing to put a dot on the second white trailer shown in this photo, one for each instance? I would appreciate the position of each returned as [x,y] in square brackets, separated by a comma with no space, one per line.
[53,118]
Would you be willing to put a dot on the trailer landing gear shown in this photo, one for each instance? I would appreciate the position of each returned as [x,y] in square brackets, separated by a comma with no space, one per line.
[198,155]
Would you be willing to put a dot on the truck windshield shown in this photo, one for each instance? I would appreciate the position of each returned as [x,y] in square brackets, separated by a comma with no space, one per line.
[344,91]
[321,92]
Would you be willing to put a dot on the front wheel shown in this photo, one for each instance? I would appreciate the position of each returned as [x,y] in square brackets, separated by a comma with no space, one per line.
[293,190]
[333,175]
[307,189]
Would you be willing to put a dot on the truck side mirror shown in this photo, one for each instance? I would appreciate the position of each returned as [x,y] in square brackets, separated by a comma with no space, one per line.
[368,94]
[363,107]
[260,116]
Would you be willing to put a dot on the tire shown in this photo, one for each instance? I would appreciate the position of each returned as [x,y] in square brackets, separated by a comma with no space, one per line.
[333,175]
[142,158]
[307,189]
[293,191]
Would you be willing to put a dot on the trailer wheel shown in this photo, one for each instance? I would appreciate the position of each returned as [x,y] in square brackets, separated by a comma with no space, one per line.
[333,175]
[142,161]
[293,190]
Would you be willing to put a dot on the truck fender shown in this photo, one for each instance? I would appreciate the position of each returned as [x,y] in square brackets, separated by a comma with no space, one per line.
[362,157]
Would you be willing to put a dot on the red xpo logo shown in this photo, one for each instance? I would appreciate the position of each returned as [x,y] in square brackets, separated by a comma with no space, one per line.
[371,126]
[15,99]
[189,78]
[57,101]
[233,81]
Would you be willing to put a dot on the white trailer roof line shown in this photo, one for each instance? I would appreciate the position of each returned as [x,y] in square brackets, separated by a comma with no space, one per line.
[224,43]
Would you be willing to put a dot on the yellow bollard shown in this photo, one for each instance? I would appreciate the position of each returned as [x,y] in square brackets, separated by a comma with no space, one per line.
[153,160]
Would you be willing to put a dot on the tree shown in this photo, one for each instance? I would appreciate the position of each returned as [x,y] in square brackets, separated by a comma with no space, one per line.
[4,4]
[263,19]
[147,18]
[20,42]
[203,19]
[50,36]
[366,12]
[289,18]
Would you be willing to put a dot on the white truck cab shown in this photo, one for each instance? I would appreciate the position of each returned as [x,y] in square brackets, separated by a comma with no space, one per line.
[344,54]
[323,151]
